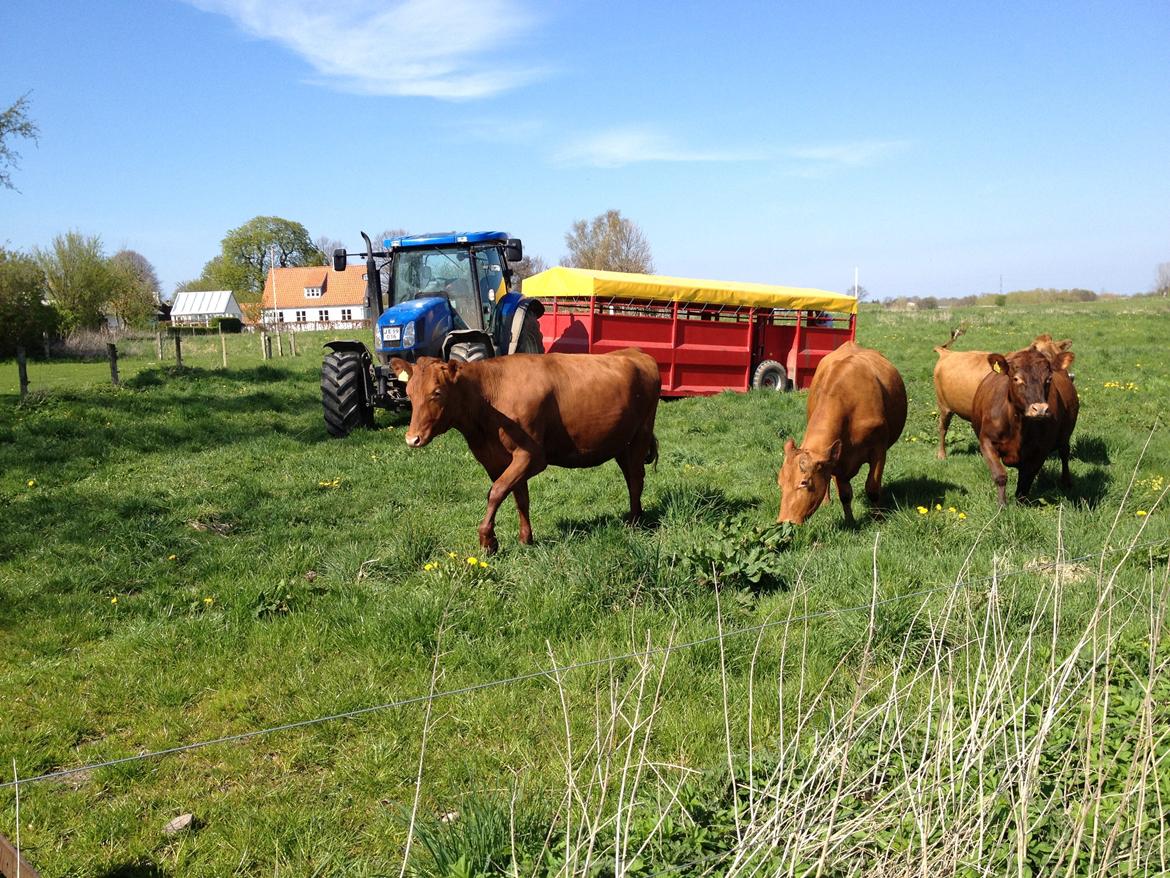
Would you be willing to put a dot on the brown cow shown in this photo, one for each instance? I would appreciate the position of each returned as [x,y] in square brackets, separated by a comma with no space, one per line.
[856,411]
[523,412]
[1025,408]
[957,375]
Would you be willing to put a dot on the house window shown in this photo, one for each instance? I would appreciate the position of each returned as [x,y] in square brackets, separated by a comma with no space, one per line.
[347,314]
[312,292]
[280,317]
[300,317]
[323,315]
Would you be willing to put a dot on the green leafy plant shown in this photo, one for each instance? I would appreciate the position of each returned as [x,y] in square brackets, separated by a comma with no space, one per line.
[743,555]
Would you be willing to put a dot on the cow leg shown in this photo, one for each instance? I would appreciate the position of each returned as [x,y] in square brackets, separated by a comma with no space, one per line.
[873,482]
[633,466]
[998,470]
[520,495]
[1025,479]
[519,470]
[1065,472]
[944,421]
[845,492]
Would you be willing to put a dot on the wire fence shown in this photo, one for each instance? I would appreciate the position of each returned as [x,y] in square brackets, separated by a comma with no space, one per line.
[555,671]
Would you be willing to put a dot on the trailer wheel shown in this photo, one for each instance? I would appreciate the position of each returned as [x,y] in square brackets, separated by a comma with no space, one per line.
[770,375]
[531,341]
[468,352]
[345,393]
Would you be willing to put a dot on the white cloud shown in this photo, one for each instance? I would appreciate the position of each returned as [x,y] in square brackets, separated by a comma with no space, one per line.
[450,49]
[855,154]
[612,149]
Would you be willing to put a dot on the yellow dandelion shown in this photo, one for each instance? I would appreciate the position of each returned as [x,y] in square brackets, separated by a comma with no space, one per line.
[922,510]
[452,554]
[428,567]
[1141,512]
[172,557]
[113,600]
[962,516]
[32,483]
[951,509]
[209,600]
[938,507]
[483,564]
[472,560]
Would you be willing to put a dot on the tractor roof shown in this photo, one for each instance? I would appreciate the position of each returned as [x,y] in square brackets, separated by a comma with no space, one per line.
[440,239]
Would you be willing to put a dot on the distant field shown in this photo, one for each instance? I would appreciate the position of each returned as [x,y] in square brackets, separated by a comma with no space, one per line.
[190,557]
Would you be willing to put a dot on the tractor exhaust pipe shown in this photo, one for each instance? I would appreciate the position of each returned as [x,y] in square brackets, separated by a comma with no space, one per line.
[373,280]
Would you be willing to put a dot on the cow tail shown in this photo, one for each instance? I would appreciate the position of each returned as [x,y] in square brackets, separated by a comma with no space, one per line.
[955,333]
[652,451]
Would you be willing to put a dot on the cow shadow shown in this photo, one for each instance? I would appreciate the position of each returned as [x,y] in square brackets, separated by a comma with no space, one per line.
[911,491]
[1090,449]
[673,504]
[1089,487]
[135,870]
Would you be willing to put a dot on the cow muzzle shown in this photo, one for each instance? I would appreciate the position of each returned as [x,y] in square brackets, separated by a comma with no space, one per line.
[1037,410]
[414,441]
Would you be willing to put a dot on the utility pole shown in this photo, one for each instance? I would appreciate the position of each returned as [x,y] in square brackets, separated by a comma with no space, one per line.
[272,269]
[856,285]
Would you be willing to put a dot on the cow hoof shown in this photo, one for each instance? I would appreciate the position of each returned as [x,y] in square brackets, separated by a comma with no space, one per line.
[526,539]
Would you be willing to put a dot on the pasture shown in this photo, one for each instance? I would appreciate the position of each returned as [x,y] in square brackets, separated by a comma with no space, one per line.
[190,557]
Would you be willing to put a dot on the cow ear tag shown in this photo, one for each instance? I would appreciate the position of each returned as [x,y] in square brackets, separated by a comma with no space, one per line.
[403,376]
[996,367]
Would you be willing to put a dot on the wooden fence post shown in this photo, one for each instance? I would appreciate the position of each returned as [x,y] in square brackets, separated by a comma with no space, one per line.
[279,343]
[179,349]
[45,338]
[262,334]
[223,345]
[12,863]
[267,346]
[158,344]
[112,353]
[22,370]
[292,342]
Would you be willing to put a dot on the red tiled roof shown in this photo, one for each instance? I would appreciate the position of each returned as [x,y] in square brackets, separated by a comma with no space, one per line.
[337,287]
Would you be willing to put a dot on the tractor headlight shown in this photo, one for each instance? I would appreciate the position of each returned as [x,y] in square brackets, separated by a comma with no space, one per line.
[408,335]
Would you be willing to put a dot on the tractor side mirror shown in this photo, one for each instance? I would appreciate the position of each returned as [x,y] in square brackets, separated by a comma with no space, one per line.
[514,250]
[339,259]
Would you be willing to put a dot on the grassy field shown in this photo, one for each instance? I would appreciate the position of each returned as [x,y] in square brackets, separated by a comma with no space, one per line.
[190,557]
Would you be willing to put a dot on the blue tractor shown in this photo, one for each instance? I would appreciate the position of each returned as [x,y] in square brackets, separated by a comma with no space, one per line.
[448,297]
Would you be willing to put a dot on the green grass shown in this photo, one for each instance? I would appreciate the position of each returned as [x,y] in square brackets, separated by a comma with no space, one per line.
[197,559]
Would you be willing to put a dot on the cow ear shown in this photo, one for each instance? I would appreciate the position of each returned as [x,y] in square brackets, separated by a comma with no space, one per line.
[834,453]
[790,448]
[1064,344]
[452,367]
[401,368]
[998,363]
[1063,360]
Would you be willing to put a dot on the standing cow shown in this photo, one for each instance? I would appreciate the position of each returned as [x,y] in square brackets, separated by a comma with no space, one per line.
[1025,408]
[957,375]
[523,412]
[856,411]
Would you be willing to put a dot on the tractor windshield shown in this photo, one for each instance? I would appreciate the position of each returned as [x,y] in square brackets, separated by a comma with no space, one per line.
[435,272]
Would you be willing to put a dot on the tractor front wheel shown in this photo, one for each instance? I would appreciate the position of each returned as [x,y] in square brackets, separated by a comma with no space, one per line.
[531,341]
[345,392]
[770,375]
[468,352]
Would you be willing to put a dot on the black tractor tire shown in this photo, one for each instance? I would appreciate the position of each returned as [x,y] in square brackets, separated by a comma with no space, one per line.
[531,341]
[468,352]
[771,375]
[345,393]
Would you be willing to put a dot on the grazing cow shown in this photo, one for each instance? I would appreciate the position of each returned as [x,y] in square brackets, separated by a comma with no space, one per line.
[856,411]
[523,412]
[957,375]
[1025,408]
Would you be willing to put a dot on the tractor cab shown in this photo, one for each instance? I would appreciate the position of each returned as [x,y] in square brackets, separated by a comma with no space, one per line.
[447,297]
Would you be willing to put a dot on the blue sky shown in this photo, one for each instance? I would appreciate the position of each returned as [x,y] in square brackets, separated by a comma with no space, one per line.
[935,148]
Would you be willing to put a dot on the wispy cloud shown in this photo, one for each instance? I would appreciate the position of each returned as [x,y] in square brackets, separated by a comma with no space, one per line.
[627,146]
[449,49]
[854,154]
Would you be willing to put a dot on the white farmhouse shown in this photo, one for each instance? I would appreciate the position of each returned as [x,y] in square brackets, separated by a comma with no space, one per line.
[315,297]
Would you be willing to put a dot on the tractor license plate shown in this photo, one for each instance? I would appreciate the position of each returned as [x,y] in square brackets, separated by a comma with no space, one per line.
[392,333]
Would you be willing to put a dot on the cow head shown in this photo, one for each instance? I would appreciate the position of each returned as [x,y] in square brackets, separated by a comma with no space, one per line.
[1029,374]
[804,480]
[1050,347]
[429,384]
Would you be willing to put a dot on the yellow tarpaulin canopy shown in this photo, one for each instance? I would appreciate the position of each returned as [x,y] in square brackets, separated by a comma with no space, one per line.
[565,282]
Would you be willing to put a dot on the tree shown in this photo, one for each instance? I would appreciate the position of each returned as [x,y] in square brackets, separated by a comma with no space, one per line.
[859,291]
[1162,280]
[14,122]
[526,267]
[78,279]
[327,245]
[24,316]
[608,242]
[246,255]
[134,298]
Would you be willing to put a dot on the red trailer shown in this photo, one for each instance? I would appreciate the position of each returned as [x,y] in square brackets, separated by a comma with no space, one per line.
[707,336]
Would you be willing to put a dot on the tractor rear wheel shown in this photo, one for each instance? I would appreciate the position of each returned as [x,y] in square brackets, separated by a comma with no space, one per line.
[345,392]
[770,375]
[531,341]
[468,352]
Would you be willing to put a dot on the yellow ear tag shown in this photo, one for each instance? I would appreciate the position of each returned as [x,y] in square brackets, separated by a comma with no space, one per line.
[403,376]
[996,368]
